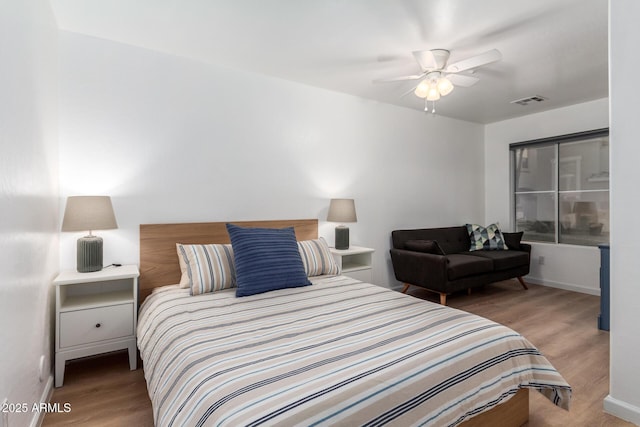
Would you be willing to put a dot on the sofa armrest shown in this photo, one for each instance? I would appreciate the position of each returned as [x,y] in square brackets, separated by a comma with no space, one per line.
[419,268]
[525,247]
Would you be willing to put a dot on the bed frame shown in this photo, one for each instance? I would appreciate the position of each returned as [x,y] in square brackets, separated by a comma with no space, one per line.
[159,267]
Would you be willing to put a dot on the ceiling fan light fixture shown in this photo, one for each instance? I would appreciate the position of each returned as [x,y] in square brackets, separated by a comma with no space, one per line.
[422,89]
[433,94]
[435,71]
[445,86]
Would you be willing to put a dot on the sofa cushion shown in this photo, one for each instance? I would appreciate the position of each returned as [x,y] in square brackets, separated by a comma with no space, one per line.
[485,238]
[452,240]
[426,246]
[513,239]
[503,260]
[459,266]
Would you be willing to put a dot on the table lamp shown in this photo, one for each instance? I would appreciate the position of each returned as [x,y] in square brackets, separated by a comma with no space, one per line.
[84,213]
[342,210]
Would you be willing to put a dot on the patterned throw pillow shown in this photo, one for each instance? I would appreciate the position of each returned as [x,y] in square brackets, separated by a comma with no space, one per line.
[266,259]
[208,268]
[317,258]
[486,238]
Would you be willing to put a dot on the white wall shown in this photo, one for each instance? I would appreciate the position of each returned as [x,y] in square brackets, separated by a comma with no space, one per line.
[174,140]
[28,199]
[569,267]
[624,390]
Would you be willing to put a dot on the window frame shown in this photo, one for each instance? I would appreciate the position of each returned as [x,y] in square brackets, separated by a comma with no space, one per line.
[554,141]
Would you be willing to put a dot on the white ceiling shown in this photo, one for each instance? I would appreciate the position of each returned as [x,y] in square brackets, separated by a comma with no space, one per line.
[553,48]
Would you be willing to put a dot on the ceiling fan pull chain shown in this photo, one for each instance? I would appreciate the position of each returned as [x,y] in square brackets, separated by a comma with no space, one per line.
[426,106]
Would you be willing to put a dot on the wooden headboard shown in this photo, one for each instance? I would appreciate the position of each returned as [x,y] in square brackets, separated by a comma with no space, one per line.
[158,257]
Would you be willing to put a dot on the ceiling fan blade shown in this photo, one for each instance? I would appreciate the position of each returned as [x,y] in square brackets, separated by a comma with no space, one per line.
[462,80]
[475,61]
[409,91]
[399,79]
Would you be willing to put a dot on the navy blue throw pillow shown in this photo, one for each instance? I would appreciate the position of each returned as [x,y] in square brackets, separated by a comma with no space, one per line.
[266,259]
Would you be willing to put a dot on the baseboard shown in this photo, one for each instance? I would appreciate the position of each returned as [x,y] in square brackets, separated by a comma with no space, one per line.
[560,285]
[38,417]
[621,409]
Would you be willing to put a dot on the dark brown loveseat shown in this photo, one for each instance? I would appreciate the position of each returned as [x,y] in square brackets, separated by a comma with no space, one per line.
[438,259]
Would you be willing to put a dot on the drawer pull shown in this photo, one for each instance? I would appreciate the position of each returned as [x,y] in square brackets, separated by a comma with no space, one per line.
[98,325]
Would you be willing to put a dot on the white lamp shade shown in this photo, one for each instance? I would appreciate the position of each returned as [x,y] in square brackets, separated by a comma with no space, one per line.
[86,213]
[433,94]
[445,86]
[342,210]
[422,89]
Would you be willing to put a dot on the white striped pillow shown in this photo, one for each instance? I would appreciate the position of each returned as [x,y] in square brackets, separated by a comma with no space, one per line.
[208,268]
[316,258]
[182,259]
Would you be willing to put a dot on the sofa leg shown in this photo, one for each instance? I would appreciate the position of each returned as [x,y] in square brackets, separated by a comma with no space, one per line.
[406,288]
[443,298]
[524,285]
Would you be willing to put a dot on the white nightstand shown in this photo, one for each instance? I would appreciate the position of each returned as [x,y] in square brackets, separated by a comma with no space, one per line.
[95,313]
[355,262]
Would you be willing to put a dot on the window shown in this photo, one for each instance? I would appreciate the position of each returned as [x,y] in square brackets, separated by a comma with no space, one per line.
[561,188]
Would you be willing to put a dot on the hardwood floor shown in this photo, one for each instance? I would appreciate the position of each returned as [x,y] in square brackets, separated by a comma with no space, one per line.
[102,392]
[562,324]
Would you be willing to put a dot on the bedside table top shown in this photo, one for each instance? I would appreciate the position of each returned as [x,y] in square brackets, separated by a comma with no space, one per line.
[352,250]
[70,277]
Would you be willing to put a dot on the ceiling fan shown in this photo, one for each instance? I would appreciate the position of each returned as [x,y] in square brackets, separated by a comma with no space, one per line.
[440,78]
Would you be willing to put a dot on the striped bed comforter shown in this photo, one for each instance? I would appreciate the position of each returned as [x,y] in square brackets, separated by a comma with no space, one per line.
[339,352]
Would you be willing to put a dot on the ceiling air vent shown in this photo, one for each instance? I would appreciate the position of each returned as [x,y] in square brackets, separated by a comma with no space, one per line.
[529,99]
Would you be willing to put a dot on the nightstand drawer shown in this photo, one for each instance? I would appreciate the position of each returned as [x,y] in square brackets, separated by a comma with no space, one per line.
[96,324]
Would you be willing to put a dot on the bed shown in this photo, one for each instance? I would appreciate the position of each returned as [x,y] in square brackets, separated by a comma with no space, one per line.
[338,352]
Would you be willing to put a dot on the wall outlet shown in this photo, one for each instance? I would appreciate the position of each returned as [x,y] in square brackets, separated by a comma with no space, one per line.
[541,260]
